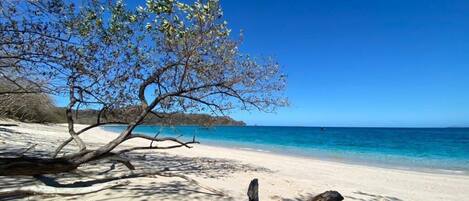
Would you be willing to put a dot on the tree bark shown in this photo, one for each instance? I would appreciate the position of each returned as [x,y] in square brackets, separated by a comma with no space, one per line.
[69,114]
[70,139]
[34,166]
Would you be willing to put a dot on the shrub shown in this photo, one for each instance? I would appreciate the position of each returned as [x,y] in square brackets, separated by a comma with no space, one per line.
[32,107]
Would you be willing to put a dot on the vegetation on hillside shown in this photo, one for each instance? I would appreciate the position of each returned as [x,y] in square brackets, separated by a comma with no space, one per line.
[39,108]
[27,107]
[89,117]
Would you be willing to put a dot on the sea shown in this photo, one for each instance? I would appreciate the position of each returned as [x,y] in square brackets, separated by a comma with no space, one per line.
[441,150]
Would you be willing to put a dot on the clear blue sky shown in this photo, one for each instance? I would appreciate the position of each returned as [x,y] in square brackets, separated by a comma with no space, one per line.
[362,63]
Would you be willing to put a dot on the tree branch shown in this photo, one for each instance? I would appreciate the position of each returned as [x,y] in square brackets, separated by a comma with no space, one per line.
[70,139]
[179,143]
[172,139]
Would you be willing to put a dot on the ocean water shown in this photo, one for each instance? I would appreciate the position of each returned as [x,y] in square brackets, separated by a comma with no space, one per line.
[444,150]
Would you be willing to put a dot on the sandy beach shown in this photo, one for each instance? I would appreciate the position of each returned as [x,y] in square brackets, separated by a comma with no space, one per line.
[229,171]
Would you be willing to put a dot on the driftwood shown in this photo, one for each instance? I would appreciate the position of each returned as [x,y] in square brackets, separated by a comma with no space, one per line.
[253,190]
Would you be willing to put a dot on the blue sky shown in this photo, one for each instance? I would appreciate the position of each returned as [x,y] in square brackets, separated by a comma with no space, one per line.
[361,63]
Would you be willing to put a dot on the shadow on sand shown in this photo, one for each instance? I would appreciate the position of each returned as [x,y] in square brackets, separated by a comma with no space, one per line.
[371,197]
[156,188]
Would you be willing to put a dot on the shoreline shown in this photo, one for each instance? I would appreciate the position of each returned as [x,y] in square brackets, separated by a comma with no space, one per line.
[367,162]
[230,170]
[346,162]
[324,160]
[386,183]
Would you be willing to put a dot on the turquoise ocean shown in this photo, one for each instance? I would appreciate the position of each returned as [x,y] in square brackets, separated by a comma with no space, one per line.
[443,150]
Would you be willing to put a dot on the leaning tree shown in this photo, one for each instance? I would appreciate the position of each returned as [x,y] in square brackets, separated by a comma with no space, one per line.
[161,58]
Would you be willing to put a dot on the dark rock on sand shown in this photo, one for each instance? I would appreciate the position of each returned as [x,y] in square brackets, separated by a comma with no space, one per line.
[328,196]
[253,190]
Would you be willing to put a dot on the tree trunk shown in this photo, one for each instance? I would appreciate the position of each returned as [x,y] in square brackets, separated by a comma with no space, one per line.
[34,166]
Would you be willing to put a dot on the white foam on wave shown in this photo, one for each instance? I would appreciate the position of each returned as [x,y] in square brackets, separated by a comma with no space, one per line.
[251,149]
[451,171]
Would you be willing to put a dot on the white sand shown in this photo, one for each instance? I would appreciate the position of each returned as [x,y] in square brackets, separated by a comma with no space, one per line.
[230,171]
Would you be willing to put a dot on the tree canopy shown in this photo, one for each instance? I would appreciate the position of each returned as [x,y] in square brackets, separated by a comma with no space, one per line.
[160,58]
[179,55]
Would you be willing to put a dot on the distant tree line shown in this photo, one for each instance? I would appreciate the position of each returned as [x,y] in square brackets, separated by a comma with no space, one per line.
[39,108]
[89,117]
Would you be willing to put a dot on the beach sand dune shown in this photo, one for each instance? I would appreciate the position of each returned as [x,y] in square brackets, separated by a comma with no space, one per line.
[228,171]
